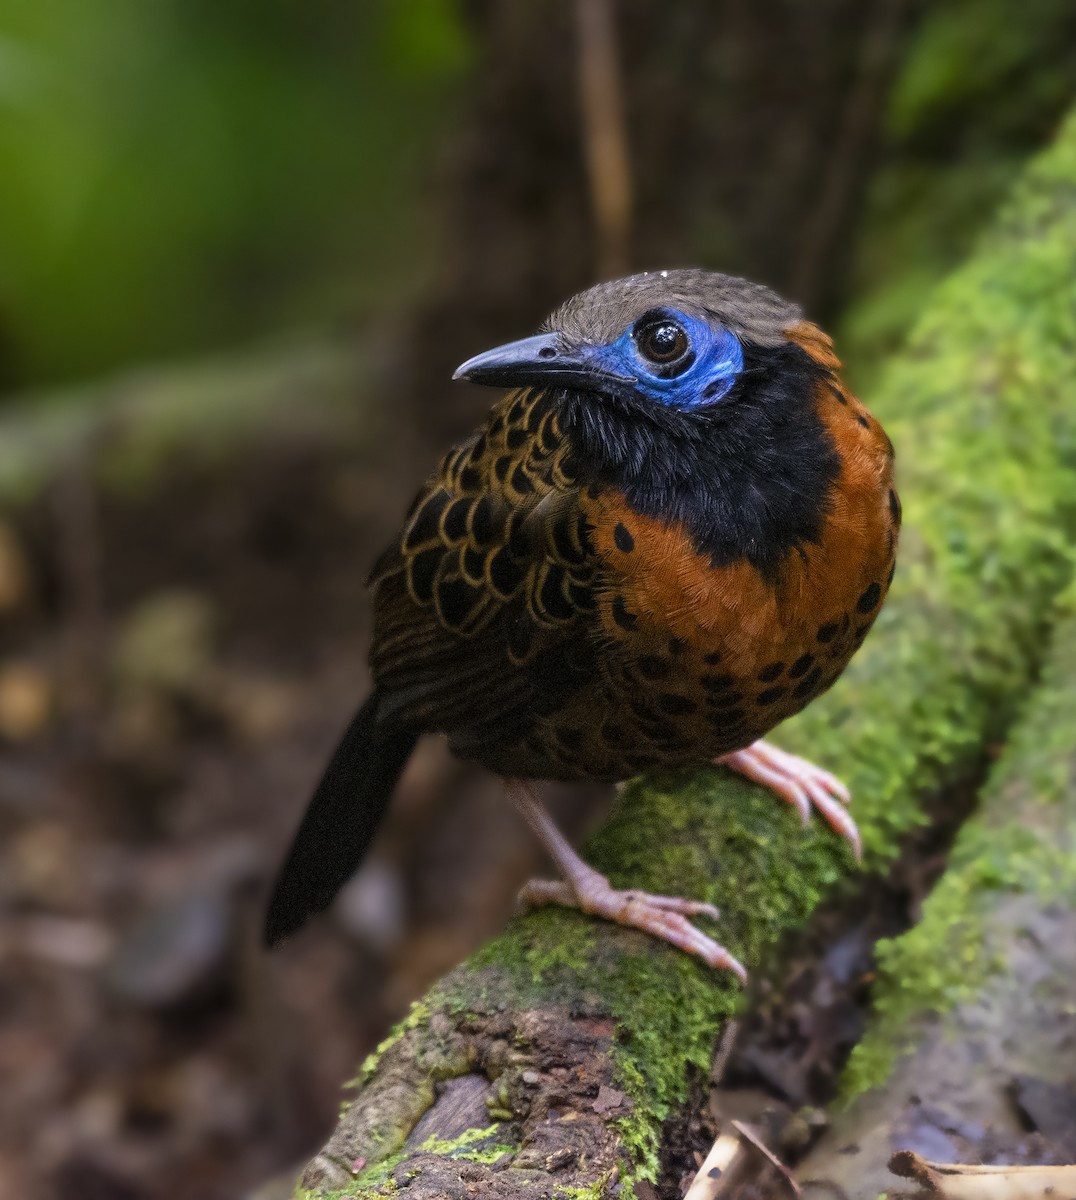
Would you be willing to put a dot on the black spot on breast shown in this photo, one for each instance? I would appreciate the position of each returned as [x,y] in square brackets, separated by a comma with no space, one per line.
[838,393]
[625,619]
[623,539]
[861,633]
[426,525]
[770,673]
[676,646]
[800,666]
[894,507]
[711,660]
[594,490]
[421,570]
[675,705]
[502,466]
[809,685]
[863,421]
[869,600]
[516,438]
[521,481]
[653,667]
[889,577]
[770,695]
[717,683]
[827,632]
[730,716]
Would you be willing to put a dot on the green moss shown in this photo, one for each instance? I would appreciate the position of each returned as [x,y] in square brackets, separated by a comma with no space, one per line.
[377,1180]
[974,97]
[1021,841]
[418,1017]
[474,1145]
[598,1190]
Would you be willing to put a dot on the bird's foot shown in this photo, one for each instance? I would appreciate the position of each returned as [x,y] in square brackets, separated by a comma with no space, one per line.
[801,784]
[663,917]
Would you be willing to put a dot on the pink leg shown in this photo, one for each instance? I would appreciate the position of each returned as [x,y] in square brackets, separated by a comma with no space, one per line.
[663,917]
[800,783]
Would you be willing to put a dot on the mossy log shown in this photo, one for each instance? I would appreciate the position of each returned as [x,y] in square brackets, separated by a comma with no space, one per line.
[546,1065]
[979,999]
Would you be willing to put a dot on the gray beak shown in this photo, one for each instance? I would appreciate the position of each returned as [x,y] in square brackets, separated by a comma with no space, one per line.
[543,361]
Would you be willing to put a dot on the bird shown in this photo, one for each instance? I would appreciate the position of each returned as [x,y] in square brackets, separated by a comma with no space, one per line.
[672,532]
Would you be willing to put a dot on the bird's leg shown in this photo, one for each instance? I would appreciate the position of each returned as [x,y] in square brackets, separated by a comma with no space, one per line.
[800,783]
[663,917]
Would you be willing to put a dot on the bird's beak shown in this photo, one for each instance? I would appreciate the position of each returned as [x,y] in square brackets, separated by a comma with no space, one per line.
[545,360]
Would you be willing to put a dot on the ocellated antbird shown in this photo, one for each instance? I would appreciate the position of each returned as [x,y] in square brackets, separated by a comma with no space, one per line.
[673,532]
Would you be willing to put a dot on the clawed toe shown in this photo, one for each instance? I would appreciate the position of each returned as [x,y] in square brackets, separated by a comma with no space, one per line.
[663,917]
[799,783]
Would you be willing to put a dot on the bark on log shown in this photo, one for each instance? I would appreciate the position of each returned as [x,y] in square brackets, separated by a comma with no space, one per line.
[975,1026]
[574,1040]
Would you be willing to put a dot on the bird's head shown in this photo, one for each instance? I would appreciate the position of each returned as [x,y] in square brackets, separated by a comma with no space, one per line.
[694,394]
[660,341]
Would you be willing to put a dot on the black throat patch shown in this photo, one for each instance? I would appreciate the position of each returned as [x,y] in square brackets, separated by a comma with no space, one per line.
[749,477]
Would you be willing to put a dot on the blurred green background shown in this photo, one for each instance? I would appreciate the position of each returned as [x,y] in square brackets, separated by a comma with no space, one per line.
[182,175]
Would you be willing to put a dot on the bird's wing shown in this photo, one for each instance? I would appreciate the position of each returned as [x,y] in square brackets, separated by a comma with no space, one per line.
[483,607]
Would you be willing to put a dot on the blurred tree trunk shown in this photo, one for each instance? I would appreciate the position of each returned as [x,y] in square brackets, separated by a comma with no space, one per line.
[548,1065]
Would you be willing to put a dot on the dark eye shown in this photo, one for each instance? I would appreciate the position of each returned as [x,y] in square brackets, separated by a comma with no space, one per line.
[662,342]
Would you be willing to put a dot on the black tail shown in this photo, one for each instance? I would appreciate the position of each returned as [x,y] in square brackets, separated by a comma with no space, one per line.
[340,822]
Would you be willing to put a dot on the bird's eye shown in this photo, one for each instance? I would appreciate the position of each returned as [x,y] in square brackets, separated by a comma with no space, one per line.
[662,342]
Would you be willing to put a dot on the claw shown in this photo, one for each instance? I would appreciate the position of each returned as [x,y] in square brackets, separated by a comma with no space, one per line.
[663,917]
[799,783]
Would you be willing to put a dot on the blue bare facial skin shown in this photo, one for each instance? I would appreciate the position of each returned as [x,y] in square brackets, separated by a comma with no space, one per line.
[680,361]
[666,357]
